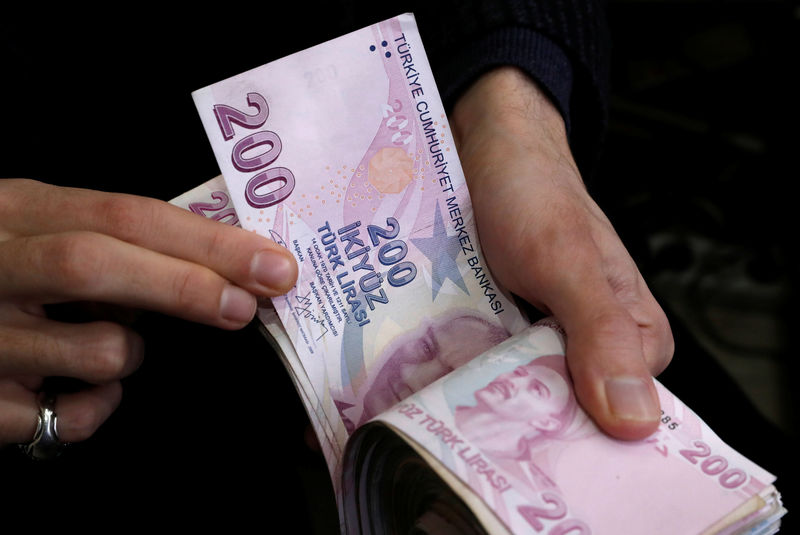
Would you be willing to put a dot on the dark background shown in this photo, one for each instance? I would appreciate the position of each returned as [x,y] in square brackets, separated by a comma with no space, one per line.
[696,175]
[698,178]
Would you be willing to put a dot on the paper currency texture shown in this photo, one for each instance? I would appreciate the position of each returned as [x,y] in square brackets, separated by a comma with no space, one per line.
[342,153]
[509,426]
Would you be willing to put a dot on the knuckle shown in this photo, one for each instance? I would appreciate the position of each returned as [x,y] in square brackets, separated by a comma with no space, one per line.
[191,287]
[43,349]
[105,353]
[657,339]
[613,324]
[74,259]
[626,286]
[83,421]
[216,243]
[666,345]
[125,215]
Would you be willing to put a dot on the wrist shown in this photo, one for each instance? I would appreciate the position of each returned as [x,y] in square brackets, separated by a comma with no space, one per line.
[505,111]
[508,95]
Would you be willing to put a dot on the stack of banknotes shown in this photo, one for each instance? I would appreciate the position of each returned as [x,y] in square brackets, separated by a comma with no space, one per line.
[438,406]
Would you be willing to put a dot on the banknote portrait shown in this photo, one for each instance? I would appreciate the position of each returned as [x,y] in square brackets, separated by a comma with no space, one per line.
[518,409]
[416,358]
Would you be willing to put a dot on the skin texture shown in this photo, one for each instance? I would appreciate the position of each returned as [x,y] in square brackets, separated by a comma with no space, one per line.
[549,242]
[63,245]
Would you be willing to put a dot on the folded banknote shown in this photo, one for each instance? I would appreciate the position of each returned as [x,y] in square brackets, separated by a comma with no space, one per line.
[398,338]
[508,425]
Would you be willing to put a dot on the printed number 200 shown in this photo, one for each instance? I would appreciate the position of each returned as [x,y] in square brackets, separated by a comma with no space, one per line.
[227,116]
[714,465]
[556,511]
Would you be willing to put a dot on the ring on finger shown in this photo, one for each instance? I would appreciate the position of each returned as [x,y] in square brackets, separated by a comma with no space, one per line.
[45,444]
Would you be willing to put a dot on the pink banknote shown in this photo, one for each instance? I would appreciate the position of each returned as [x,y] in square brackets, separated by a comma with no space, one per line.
[343,154]
[509,426]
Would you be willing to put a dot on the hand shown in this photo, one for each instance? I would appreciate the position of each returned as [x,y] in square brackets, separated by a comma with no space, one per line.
[62,245]
[547,241]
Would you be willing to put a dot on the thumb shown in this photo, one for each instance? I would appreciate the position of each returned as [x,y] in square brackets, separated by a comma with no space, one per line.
[605,355]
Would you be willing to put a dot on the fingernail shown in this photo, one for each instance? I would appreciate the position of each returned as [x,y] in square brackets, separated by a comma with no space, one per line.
[237,305]
[629,398]
[272,269]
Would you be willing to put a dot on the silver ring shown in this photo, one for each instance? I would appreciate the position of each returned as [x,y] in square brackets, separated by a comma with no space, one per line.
[45,444]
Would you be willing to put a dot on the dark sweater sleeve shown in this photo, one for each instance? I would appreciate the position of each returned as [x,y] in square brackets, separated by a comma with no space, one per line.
[562,44]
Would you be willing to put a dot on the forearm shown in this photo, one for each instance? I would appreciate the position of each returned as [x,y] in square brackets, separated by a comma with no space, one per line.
[505,110]
[562,44]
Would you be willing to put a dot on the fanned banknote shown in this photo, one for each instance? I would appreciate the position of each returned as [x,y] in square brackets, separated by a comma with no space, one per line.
[509,427]
[342,154]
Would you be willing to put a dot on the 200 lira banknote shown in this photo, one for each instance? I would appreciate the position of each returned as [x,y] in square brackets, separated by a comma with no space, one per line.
[342,153]
[509,427]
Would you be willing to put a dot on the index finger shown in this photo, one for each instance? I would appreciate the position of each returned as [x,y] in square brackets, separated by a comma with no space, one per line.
[252,262]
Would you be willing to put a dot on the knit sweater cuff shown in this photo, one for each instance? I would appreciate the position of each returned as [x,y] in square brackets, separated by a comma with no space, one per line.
[526,49]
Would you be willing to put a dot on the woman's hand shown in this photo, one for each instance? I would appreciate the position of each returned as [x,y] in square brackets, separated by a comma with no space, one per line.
[63,245]
[547,241]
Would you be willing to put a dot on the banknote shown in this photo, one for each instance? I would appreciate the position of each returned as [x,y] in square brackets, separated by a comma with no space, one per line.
[504,431]
[396,336]
[212,200]
[343,154]
[508,426]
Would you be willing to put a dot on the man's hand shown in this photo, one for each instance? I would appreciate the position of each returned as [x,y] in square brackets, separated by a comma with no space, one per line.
[547,241]
[62,245]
